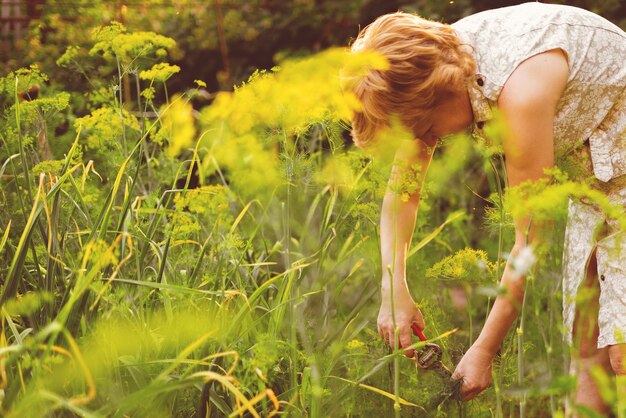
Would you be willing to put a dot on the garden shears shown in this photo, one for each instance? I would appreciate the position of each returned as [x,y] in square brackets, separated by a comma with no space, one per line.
[429,357]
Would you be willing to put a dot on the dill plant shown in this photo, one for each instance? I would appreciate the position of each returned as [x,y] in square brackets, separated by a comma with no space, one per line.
[141,274]
[128,292]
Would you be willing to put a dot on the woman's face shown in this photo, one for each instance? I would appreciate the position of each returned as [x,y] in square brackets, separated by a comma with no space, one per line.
[453,115]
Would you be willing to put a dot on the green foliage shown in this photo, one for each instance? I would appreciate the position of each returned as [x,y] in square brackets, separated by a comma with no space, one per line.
[465,266]
[113,42]
[53,167]
[106,134]
[45,105]
[27,304]
[266,102]
[165,250]
[177,127]
[546,199]
[21,80]
[260,102]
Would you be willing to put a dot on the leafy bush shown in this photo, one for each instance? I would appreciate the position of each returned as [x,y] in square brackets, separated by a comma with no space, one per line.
[160,256]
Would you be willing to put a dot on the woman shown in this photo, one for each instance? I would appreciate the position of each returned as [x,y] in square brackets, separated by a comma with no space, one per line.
[558,76]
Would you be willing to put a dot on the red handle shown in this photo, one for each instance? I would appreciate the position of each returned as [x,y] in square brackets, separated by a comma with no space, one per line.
[418,332]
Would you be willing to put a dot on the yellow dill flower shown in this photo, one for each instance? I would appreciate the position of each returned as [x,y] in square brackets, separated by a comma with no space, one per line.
[160,72]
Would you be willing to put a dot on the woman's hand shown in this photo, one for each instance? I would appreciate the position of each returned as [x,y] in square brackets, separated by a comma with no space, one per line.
[407,315]
[475,370]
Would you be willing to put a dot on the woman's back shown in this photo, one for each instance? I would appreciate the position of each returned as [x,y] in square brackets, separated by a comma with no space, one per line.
[593,107]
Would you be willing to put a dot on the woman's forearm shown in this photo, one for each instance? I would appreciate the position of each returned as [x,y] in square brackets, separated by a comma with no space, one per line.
[504,311]
[398,215]
[396,231]
[398,316]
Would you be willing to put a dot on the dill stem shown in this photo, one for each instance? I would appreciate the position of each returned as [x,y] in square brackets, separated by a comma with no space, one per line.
[390,271]
[396,359]
[520,356]
[120,77]
[497,381]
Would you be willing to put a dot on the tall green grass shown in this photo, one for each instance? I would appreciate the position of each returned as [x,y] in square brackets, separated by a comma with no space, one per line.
[169,258]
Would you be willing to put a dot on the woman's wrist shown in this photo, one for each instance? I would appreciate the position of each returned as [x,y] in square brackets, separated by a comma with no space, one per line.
[397,284]
[486,347]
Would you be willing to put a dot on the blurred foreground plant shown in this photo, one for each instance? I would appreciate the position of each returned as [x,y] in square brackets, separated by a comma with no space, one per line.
[169,256]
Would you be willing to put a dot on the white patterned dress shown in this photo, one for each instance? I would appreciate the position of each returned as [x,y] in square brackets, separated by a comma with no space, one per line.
[589,129]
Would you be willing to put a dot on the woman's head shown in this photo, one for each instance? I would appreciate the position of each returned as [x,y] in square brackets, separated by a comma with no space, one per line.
[427,64]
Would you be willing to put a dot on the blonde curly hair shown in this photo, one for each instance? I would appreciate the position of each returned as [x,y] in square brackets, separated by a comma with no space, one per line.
[427,63]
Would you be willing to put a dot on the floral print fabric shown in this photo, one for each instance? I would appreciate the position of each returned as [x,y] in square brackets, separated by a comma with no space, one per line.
[589,128]
[580,240]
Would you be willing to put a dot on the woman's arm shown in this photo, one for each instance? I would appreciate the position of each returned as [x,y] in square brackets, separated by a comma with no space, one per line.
[396,231]
[528,102]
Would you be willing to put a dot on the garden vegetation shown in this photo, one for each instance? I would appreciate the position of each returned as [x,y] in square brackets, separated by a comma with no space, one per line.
[158,258]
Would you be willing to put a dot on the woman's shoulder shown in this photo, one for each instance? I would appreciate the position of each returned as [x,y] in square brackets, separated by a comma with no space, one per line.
[503,38]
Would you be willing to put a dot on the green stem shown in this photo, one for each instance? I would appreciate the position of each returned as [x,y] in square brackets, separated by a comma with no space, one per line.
[138,88]
[390,271]
[121,105]
[27,182]
[293,293]
[520,356]
[497,382]
[18,125]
